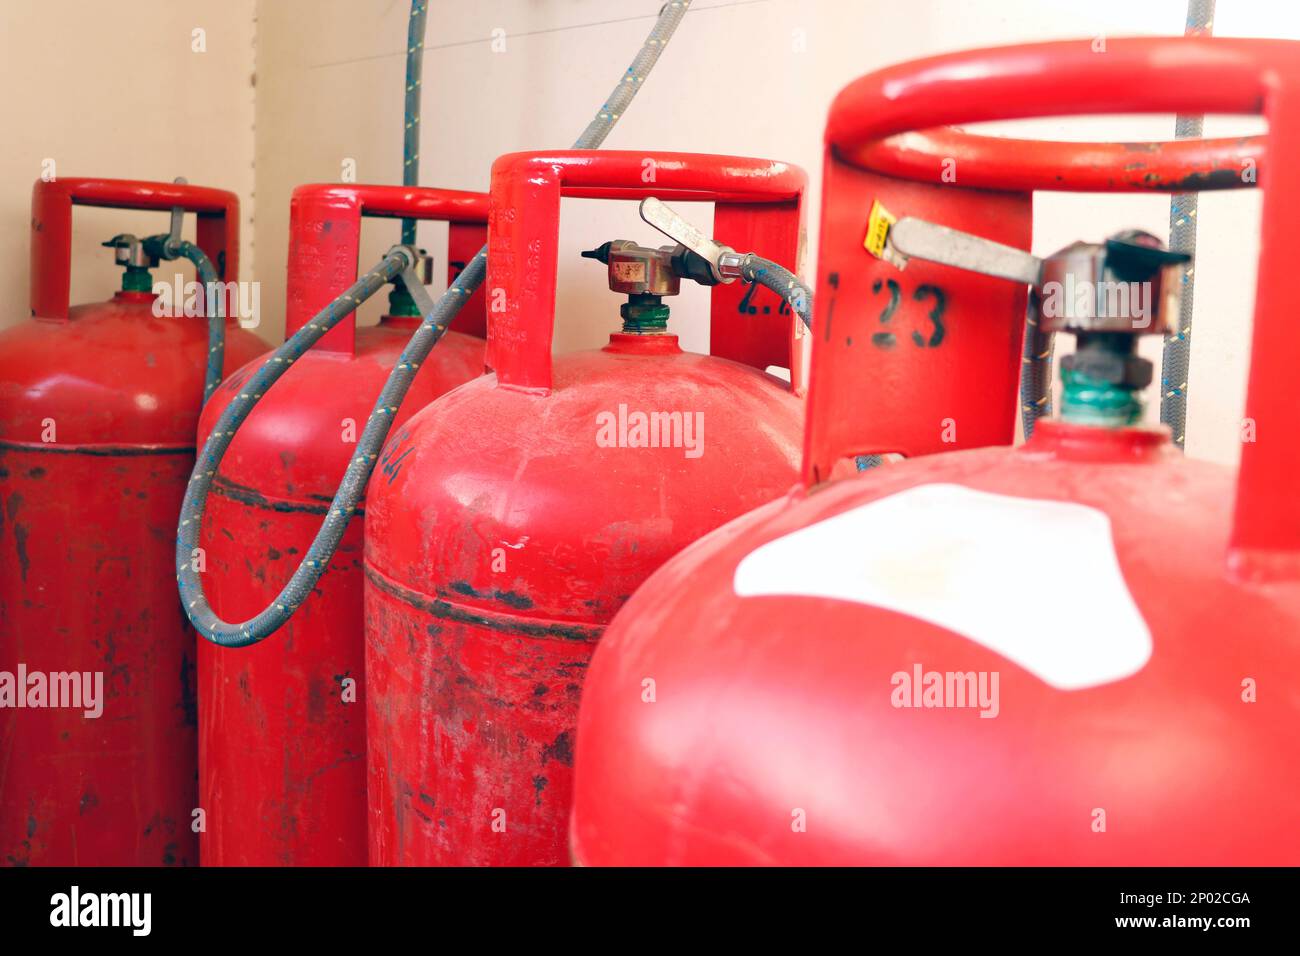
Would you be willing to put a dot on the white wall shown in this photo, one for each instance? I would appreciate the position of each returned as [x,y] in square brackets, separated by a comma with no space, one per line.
[324,65]
[81,79]
[117,90]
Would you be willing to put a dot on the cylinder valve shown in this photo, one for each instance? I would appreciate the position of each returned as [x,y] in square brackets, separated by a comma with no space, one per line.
[1105,293]
[645,276]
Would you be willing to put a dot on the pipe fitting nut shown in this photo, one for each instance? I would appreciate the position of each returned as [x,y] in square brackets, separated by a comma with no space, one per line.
[1126,371]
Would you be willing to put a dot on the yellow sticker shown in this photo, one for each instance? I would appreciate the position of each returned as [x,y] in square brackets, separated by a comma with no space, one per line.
[878,224]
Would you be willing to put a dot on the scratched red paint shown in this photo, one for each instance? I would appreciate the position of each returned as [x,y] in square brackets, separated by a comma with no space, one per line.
[509,537]
[767,711]
[281,750]
[92,584]
[97,415]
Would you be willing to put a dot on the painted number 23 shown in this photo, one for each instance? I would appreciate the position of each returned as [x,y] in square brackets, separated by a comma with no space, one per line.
[885,338]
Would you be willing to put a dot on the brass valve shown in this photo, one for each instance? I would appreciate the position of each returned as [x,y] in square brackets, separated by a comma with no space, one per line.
[636,269]
[1127,284]
[128,251]
[645,276]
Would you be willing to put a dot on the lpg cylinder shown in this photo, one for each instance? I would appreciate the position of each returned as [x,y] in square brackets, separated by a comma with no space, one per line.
[282,723]
[98,406]
[511,518]
[1079,651]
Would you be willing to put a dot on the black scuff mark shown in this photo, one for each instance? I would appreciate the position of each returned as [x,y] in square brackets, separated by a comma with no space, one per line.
[833,280]
[513,599]
[20,543]
[255,499]
[189,702]
[560,750]
[101,451]
[583,633]
[1215,179]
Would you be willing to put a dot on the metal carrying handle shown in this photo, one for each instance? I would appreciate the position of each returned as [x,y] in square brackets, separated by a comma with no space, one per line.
[325,239]
[895,121]
[217,233]
[1149,75]
[759,205]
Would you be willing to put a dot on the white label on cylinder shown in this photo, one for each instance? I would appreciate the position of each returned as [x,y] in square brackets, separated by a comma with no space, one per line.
[1035,581]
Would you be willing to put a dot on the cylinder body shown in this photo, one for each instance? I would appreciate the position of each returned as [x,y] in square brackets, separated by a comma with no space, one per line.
[505,527]
[282,723]
[97,419]
[864,676]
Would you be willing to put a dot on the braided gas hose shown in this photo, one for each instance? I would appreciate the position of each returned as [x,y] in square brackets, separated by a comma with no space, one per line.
[168,248]
[1035,372]
[754,268]
[352,488]
[1177,357]
[411,127]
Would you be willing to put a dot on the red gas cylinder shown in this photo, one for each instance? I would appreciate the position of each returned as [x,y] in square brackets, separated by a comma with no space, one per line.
[98,406]
[1078,651]
[511,518]
[282,723]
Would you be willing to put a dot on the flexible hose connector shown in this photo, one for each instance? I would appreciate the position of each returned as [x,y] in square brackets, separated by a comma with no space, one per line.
[353,486]
[1176,360]
[345,500]
[754,268]
[1035,373]
[411,129]
[670,15]
[213,295]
